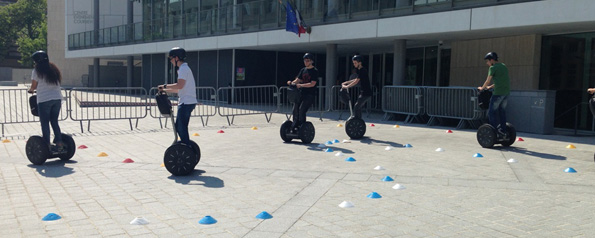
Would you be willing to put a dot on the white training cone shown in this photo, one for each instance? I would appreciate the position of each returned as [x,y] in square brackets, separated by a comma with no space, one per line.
[339,153]
[398,187]
[512,161]
[139,221]
[379,168]
[346,204]
[439,150]
[321,145]
[346,141]
[388,148]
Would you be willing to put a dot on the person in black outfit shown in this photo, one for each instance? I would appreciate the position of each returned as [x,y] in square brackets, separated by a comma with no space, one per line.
[305,81]
[360,76]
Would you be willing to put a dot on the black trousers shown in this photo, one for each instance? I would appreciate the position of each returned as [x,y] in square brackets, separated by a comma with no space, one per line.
[359,105]
[300,109]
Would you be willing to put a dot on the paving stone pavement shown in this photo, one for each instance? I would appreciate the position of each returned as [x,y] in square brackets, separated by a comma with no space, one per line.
[243,172]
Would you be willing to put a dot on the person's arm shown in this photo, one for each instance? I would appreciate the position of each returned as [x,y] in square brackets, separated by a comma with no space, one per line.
[33,86]
[591,90]
[487,84]
[351,83]
[174,87]
[307,85]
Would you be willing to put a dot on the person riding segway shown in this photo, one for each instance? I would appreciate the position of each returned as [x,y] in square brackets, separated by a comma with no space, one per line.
[46,103]
[182,156]
[497,131]
[302,93]
[355,127]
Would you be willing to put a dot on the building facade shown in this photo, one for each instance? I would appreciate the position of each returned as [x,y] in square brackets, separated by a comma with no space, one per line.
[404,42]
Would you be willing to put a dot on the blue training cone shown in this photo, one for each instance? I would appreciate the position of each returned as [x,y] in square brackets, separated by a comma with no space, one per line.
[407,146]
[374,195]
[336,141]
[387,179]
[264,215]
[328,143]
[570,170]
[207,220]
[328,150]
[350,159]
[477,155]
[51,217]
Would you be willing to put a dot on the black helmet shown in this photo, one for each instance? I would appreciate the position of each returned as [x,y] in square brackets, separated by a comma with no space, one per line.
[40,56]
[491,55]
[308,56]
[179,52]
[357,58]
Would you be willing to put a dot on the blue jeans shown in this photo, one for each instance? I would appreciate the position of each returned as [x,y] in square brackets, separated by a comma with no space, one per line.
[48,114]
[497,111]
[182,121]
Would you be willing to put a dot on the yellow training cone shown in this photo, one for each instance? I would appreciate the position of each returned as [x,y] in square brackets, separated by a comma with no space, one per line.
[162,164]
[571,146]
[396,126]
[254,128]
[340,125]
[6,141]
[102,154]
[195,134]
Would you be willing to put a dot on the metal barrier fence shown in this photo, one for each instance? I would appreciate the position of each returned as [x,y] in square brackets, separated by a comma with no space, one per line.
[407,100]
[15,107]
[453,102]
[206,107]
[318,106]
[87,104]
[248,100]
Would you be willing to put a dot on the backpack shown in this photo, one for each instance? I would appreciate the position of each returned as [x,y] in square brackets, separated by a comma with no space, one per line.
[33,105]
[483,99]
[592,105]
[163,103]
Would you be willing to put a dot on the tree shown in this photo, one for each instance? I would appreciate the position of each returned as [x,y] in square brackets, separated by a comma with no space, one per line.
[7,31]
[23,23]
[27,46]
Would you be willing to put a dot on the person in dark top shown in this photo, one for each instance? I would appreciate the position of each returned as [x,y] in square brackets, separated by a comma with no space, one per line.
[359,77]
[305,81]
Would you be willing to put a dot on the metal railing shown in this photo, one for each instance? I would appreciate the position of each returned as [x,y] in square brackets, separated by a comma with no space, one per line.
[206,107]
[90,104]
[262,15]
[15,107]
[453,102]
[406,100]
[248,100]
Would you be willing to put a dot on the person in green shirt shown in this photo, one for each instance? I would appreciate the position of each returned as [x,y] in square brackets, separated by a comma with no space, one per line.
[498,80]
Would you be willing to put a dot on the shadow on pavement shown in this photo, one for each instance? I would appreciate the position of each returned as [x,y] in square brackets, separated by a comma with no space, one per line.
[368,140]
[531,153]
[195,178]
[54,168]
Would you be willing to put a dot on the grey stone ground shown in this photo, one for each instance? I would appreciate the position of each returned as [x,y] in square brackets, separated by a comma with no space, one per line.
[244,172]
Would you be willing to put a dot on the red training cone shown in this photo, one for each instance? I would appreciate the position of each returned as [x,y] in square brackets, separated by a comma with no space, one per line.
[520,139]
[82,147]
[221,131]
[128,160]
[449,131]
[372,125]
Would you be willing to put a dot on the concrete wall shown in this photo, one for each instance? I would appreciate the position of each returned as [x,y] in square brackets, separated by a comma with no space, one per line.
[521,54]
[72,69]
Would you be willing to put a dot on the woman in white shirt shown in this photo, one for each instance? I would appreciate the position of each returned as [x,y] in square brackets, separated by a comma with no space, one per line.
[46,79]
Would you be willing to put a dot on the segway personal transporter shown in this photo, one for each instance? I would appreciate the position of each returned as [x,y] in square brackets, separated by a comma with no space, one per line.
[305,131]
[179,159]
[38,151]
[487,135]
[354,127]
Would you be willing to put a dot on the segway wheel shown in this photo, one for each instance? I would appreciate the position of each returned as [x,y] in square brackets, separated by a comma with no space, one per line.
[285,127]
[179,159]
[307,132]
[355,128]
[69,146]
[37,150]
[486,136]
[196,151]
[511,135]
